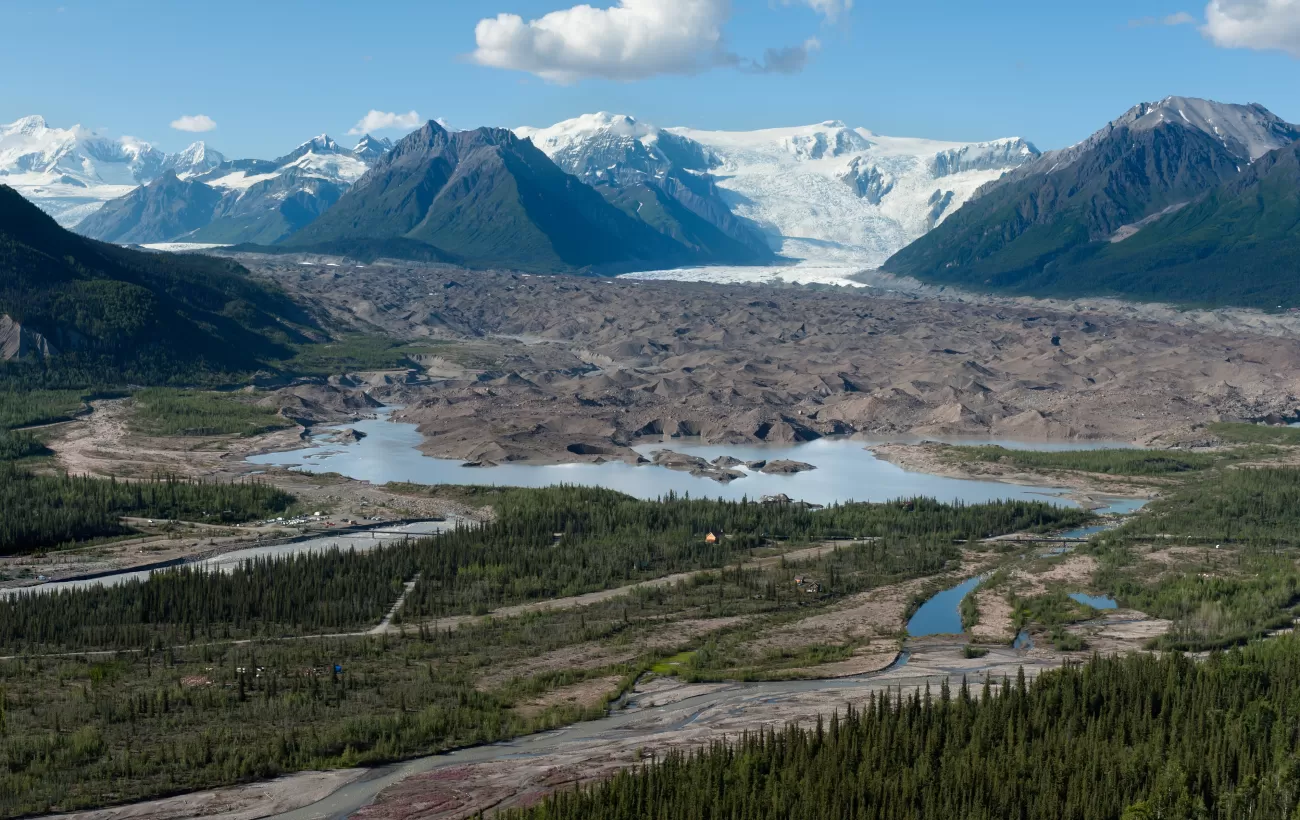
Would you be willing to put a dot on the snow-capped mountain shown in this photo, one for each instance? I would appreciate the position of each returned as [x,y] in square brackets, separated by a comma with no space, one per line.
[1193,178]
[71,172]
[1245,132]
[603,146]
[233,201]
[196,159]
[369,148]
[656,176]
[823,192]
[841,194]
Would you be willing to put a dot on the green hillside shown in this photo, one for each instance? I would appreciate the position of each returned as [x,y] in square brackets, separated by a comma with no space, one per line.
[115,315]
[1162,214]
[489,199]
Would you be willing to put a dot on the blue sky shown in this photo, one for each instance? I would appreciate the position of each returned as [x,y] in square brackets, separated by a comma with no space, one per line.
[270,74]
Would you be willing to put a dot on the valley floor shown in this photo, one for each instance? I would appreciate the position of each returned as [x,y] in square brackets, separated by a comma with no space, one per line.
[514,368]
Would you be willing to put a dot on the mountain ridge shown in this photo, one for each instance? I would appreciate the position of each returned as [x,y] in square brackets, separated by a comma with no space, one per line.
[490,198]
[234,201]
[1050,225]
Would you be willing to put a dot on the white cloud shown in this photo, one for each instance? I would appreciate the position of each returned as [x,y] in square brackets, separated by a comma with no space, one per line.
[196,123]
[382,120]
[830,9]
[633,40]
[1265,25]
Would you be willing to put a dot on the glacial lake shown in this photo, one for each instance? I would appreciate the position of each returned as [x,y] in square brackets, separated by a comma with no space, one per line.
[846,470]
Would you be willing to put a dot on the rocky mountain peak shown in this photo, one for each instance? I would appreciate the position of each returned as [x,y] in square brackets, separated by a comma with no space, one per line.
[1248,131]
[30,125]
[370,148]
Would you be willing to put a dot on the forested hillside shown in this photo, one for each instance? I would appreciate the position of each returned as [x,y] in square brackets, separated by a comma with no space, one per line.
[1137,738]
[111,315]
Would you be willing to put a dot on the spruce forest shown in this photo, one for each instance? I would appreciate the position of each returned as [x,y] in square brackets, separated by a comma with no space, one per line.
[1132,738]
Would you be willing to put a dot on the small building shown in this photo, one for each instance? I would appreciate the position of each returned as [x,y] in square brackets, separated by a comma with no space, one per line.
[712,537]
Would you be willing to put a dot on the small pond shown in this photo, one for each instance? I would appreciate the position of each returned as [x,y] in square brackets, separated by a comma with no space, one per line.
[1095,601]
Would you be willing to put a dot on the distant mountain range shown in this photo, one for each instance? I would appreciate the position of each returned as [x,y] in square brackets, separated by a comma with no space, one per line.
[707,198]
[249,200]
[71,172]
[1183,200]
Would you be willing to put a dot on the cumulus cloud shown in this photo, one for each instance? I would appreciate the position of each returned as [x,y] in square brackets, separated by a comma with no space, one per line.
[377,120]
[196,123]
[1264,25]
[789,60]
[631,41]
[1181,18]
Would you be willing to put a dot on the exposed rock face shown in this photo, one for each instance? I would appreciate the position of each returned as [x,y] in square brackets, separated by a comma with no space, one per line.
[309,404]
[783,466]
[985,156]
[695,465]
[869,181]
[19,343]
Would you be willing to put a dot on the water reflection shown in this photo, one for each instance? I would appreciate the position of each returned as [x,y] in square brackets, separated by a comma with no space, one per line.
[845,470]
[941,615]
[1095,601]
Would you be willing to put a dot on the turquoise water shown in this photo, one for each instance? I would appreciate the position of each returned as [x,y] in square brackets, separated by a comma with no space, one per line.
[1122,506]
[941,614]
[1084,532]
[1095,601]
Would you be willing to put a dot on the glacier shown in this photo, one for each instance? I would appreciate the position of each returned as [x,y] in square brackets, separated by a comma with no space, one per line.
[833,200]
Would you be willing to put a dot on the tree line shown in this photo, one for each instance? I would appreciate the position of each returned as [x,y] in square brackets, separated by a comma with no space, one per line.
[1135,737]
[541,543]
[42,511]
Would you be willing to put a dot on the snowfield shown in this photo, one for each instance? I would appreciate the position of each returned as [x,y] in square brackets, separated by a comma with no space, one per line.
[71,172]
[834,200]
[828,193]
